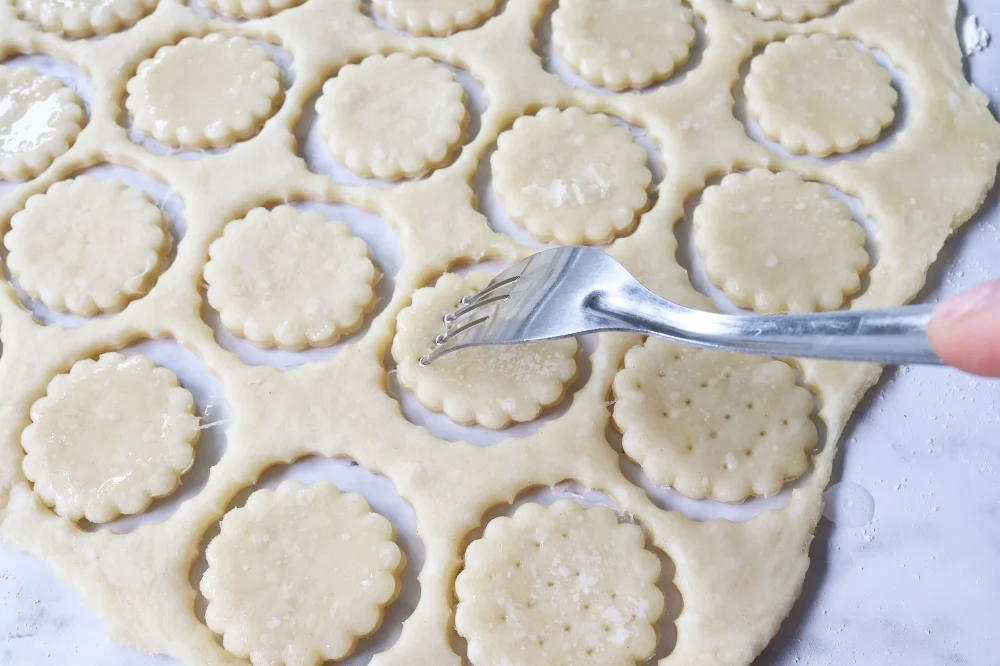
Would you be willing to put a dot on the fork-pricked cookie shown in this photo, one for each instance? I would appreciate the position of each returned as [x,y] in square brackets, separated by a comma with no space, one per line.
[392,117]
[492,386]
[109,437]
[571,176]
[559,585]
[290,278]
[713,424]
[775,243]
[297,575]
[622,44]
[87,245]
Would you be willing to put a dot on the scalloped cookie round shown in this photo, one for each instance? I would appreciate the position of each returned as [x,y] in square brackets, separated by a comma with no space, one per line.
[713,424]
[204,92]
[818,95]
[87,245]
[787,10]
[492,386]
[85,18]
[392,117]
[109,437]
[571,177]
[290,278]
[250,9]
[298,574]
[623,44]
[39,121]
[436,18]
[559,585]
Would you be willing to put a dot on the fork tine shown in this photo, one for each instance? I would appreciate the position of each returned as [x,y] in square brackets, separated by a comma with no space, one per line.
[473,306]
[495,283]
[447,341]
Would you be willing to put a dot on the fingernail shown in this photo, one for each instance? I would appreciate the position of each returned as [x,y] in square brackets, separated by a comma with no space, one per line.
[981,299]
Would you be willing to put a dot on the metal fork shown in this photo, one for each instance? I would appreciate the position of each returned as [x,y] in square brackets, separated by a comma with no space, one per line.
[569,291]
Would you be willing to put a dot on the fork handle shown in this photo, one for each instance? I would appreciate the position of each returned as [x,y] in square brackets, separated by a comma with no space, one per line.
[894,336]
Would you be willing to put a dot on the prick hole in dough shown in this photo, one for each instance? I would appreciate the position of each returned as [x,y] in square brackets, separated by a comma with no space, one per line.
[713,435]
[728,417]
[554,63]
[313,149]
[382,498]
[161,194]
[213,413]
[886,138]
[689,448]
[687,402]
[384,250]
[785,422]
[567,628]
[748,453]
[441,426]
[762,433]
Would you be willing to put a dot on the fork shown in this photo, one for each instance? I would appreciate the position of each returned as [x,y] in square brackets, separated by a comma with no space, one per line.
[570,291]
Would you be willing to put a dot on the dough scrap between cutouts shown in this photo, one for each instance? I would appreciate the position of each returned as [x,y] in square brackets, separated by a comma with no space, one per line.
[776,243]
[250,9]
[571,176]
[491,386]
[204,92]
[713,424]
[621,44]
[109,437]
[434,17]
[818,95]
[290,278]
[39,120]
[787,10]
[298,574]
[78,19]
[393,116]
[87,245]
[559,585]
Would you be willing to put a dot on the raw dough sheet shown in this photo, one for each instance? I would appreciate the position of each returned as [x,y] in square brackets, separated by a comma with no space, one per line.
[738,580]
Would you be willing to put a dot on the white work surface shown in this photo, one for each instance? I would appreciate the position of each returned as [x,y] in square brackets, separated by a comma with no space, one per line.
[917,585]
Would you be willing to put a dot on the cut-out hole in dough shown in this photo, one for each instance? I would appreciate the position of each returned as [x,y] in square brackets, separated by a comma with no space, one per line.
[313,149]
[554,63]
[172,208]
[886,138]
[384,249]
[213,414]
[570,490]
[378,491]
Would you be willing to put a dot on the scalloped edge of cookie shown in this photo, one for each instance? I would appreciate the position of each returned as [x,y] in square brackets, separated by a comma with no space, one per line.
[98,21]
[251,9]
[763,10]
[435,23]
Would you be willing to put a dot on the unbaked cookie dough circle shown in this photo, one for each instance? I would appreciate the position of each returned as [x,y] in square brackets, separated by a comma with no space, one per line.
[491,386]
[436,18]
[392,117]
[621,44]
[775,243]
[713,424]
[250,9]
[559,585]
[787,10]
[109,437]
[204,92]
[298,574]
[290,278]
[78,19]
[87,245]
[819,95]
[39,120]
[571,176]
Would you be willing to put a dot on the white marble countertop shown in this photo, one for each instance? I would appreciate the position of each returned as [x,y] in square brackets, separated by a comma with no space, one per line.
[918,585]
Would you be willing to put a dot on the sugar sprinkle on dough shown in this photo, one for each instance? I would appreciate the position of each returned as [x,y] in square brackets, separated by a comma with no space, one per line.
[298,574]
[622,44]
[713,424]
[39,120]
[787,10]
[435,17]
[392,117]
[78,19]
[204,92]
[775,243]
[290,278]
[818,95]
[108,437]
[491,386]
[559,585]
[571,176]
[87,245]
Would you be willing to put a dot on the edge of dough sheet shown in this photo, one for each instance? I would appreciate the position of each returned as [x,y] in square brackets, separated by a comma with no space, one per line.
[738,580]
